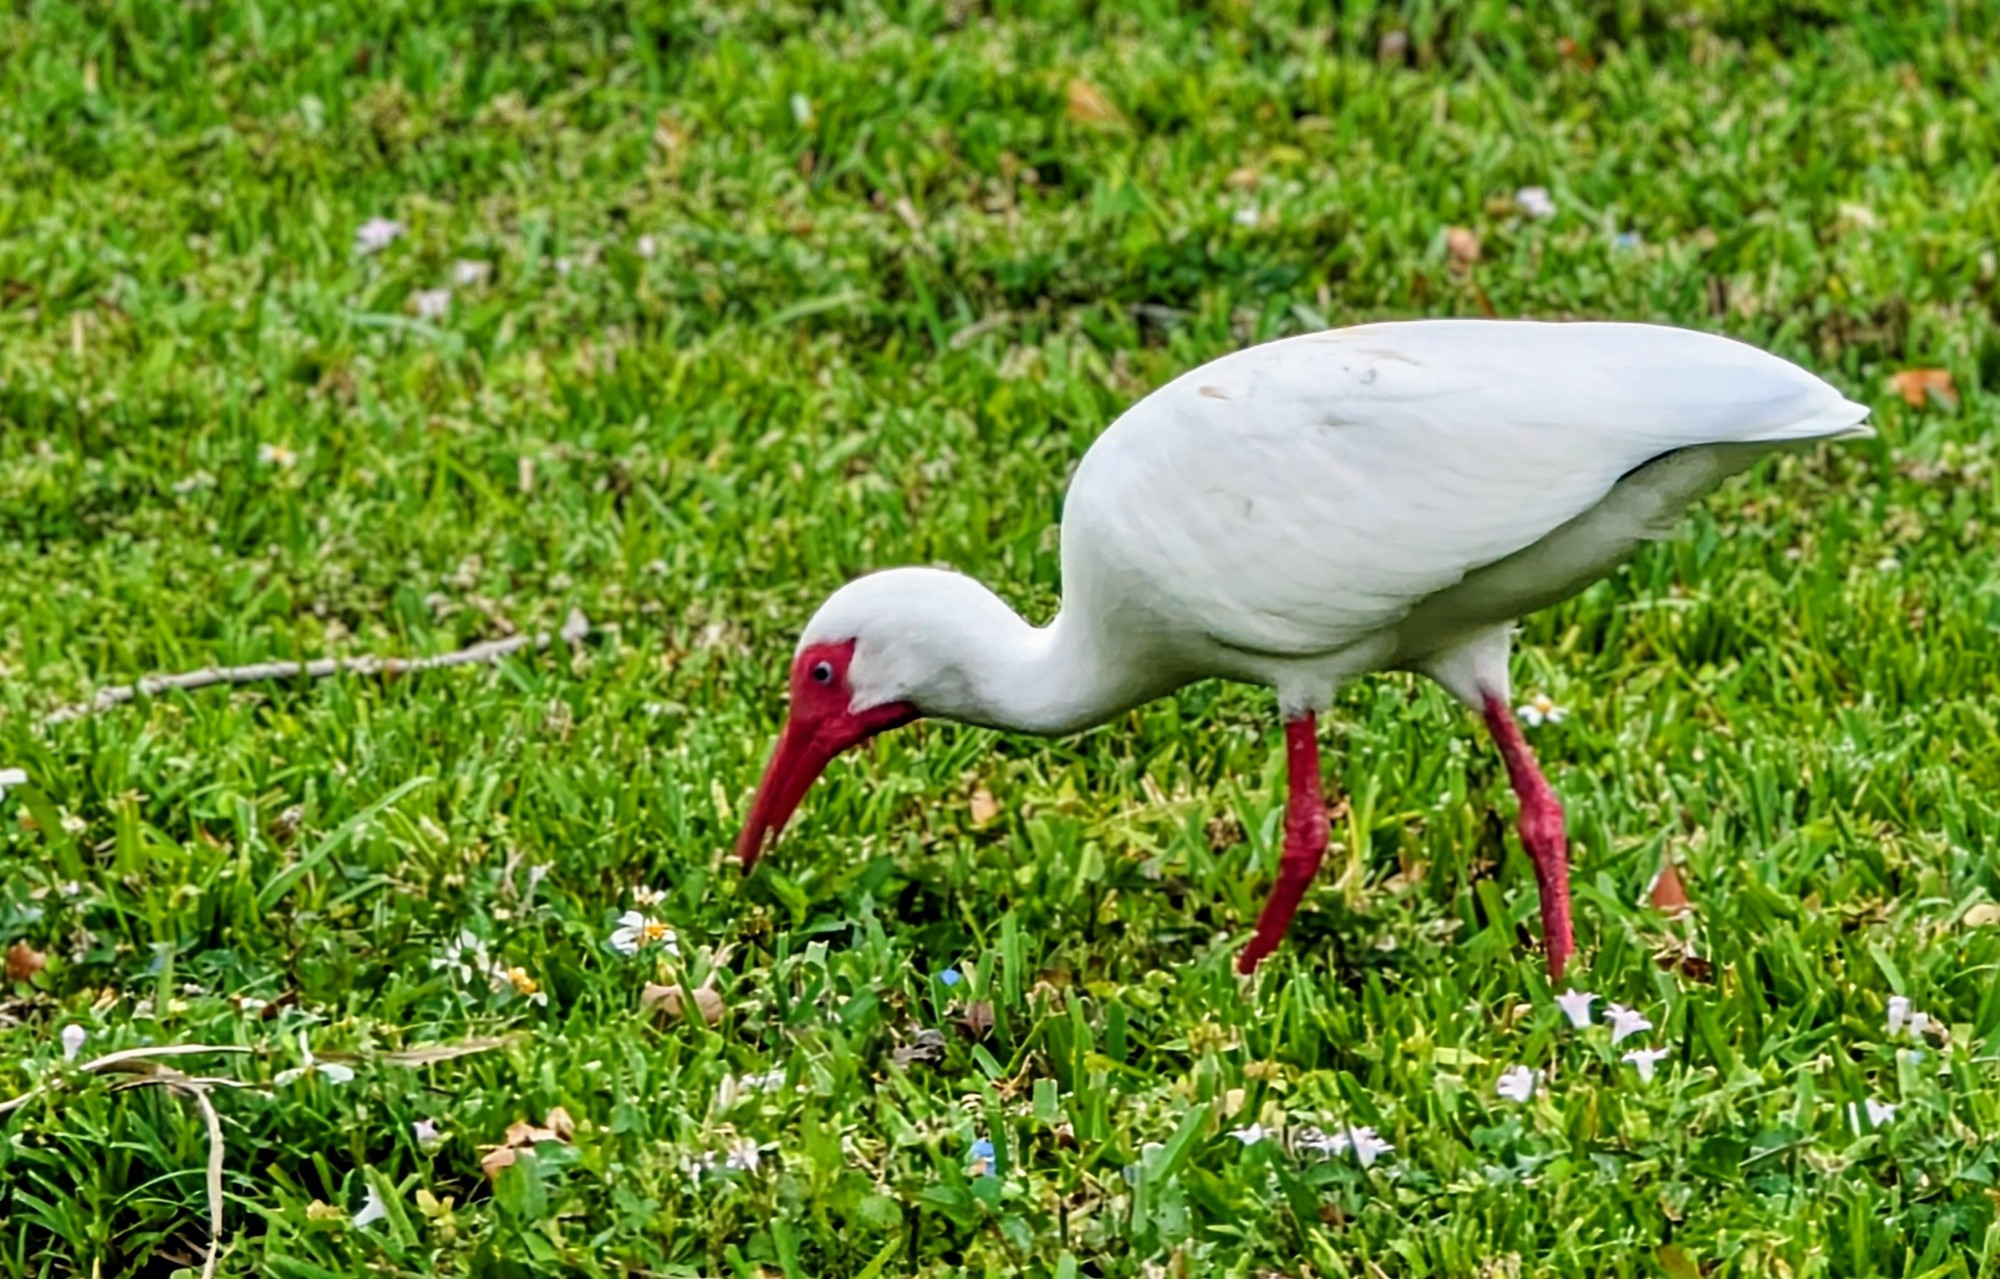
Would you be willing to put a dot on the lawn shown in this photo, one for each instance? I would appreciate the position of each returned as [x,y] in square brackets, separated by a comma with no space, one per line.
[746,299]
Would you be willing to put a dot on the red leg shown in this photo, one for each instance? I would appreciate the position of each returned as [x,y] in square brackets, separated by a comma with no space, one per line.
[1305,841]
[1541,833]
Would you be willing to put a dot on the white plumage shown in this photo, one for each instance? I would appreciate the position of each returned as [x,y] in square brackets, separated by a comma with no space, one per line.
[1299,513]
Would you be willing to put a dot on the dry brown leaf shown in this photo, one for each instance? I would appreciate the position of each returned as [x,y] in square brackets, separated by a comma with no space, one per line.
[1243,177]
[496,1159]
[1917,385]
[673,1002]
[977,1019]
[1463,242]
[1088,105]
[559,1124]
[523,1133]
[1668,893]
[24,961]
[984,808]
[1982,915]
[928,1046]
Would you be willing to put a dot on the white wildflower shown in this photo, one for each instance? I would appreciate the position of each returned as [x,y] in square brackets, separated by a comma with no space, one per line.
[1362,1143]
[1625,1023]
[1646,1060]
[377,234]
[372,1208]
[1576,1006]
[1536,202]
[466,959]
[521,983]
[331,1071]
[1516,1084]
[467,273]
[1541,709]
[1247,216]
[193,483]
[1879,1113]
[646,897]
[742,1157]
[1249,1136]
[636,931]
[12,777]
[431,304]
[277,455]
[426,1134]
[73,1036]
[647,246]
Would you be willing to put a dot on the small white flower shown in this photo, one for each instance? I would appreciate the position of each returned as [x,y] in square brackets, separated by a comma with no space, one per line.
[1362,1143]
[1541,709]
[563,266]
[331,1071]
[372,1208]
[1516,1084]
[72,1040]
[1246,216]
[647,246]
[277,455]
[466,959]
[646,897]
[12,777]
[742,1157]
[1249,1136]
[1888,564]
[469,272]
[1879,1113]
[802,110]
[1625,1023]
[426,1133]
[193,483]
[636,931]
[1535,202]
[699,1166]
[377,234]
[1576,1006]
[769,1081]
[1646,1060]
[1903,1017]
[431,304]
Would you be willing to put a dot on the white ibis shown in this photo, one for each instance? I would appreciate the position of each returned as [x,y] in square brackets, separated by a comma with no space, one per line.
[1385,497]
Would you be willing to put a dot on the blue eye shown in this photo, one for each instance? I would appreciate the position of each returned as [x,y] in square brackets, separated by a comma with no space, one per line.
[822,673]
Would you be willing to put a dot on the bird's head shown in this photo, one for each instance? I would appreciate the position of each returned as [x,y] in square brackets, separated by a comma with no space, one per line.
[883,650]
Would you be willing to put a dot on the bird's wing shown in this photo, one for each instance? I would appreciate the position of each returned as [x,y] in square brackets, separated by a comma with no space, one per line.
[1297,497]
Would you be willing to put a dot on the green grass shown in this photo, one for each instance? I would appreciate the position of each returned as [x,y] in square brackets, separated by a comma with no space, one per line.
[895,291]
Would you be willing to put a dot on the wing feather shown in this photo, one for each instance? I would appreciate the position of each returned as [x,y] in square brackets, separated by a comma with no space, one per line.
[1296,497]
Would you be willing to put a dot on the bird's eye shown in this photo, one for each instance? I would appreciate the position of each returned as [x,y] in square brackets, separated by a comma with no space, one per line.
[822,673]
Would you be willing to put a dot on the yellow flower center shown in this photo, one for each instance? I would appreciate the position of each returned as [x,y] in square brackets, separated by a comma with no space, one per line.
[657,930]
[523,983]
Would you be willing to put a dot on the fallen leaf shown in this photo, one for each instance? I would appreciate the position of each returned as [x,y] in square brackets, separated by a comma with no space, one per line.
[927,1047]
[984,807]
[559,1124]
[1088,105]
[24,961]
[523,1133]
[1463,242]
[495,1160]
[672,1001]
[1983,914]
[1243,177]
[1668,893]
[977,1019]
[1917,385]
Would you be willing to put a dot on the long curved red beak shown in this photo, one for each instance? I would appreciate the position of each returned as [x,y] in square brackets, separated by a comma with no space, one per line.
[805,746]
[799,759]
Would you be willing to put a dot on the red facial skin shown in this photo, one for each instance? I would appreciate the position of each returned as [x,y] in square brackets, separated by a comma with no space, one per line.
[822,724]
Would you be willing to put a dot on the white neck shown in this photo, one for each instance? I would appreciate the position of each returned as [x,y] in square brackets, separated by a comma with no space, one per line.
[1054,679]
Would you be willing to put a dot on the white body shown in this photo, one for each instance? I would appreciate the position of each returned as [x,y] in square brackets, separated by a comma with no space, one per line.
[1298,513]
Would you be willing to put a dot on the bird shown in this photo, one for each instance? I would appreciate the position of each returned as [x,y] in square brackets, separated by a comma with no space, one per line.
[1390,496]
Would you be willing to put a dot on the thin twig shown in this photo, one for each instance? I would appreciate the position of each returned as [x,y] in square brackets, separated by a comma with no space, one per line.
[123,1055]
[573,632]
